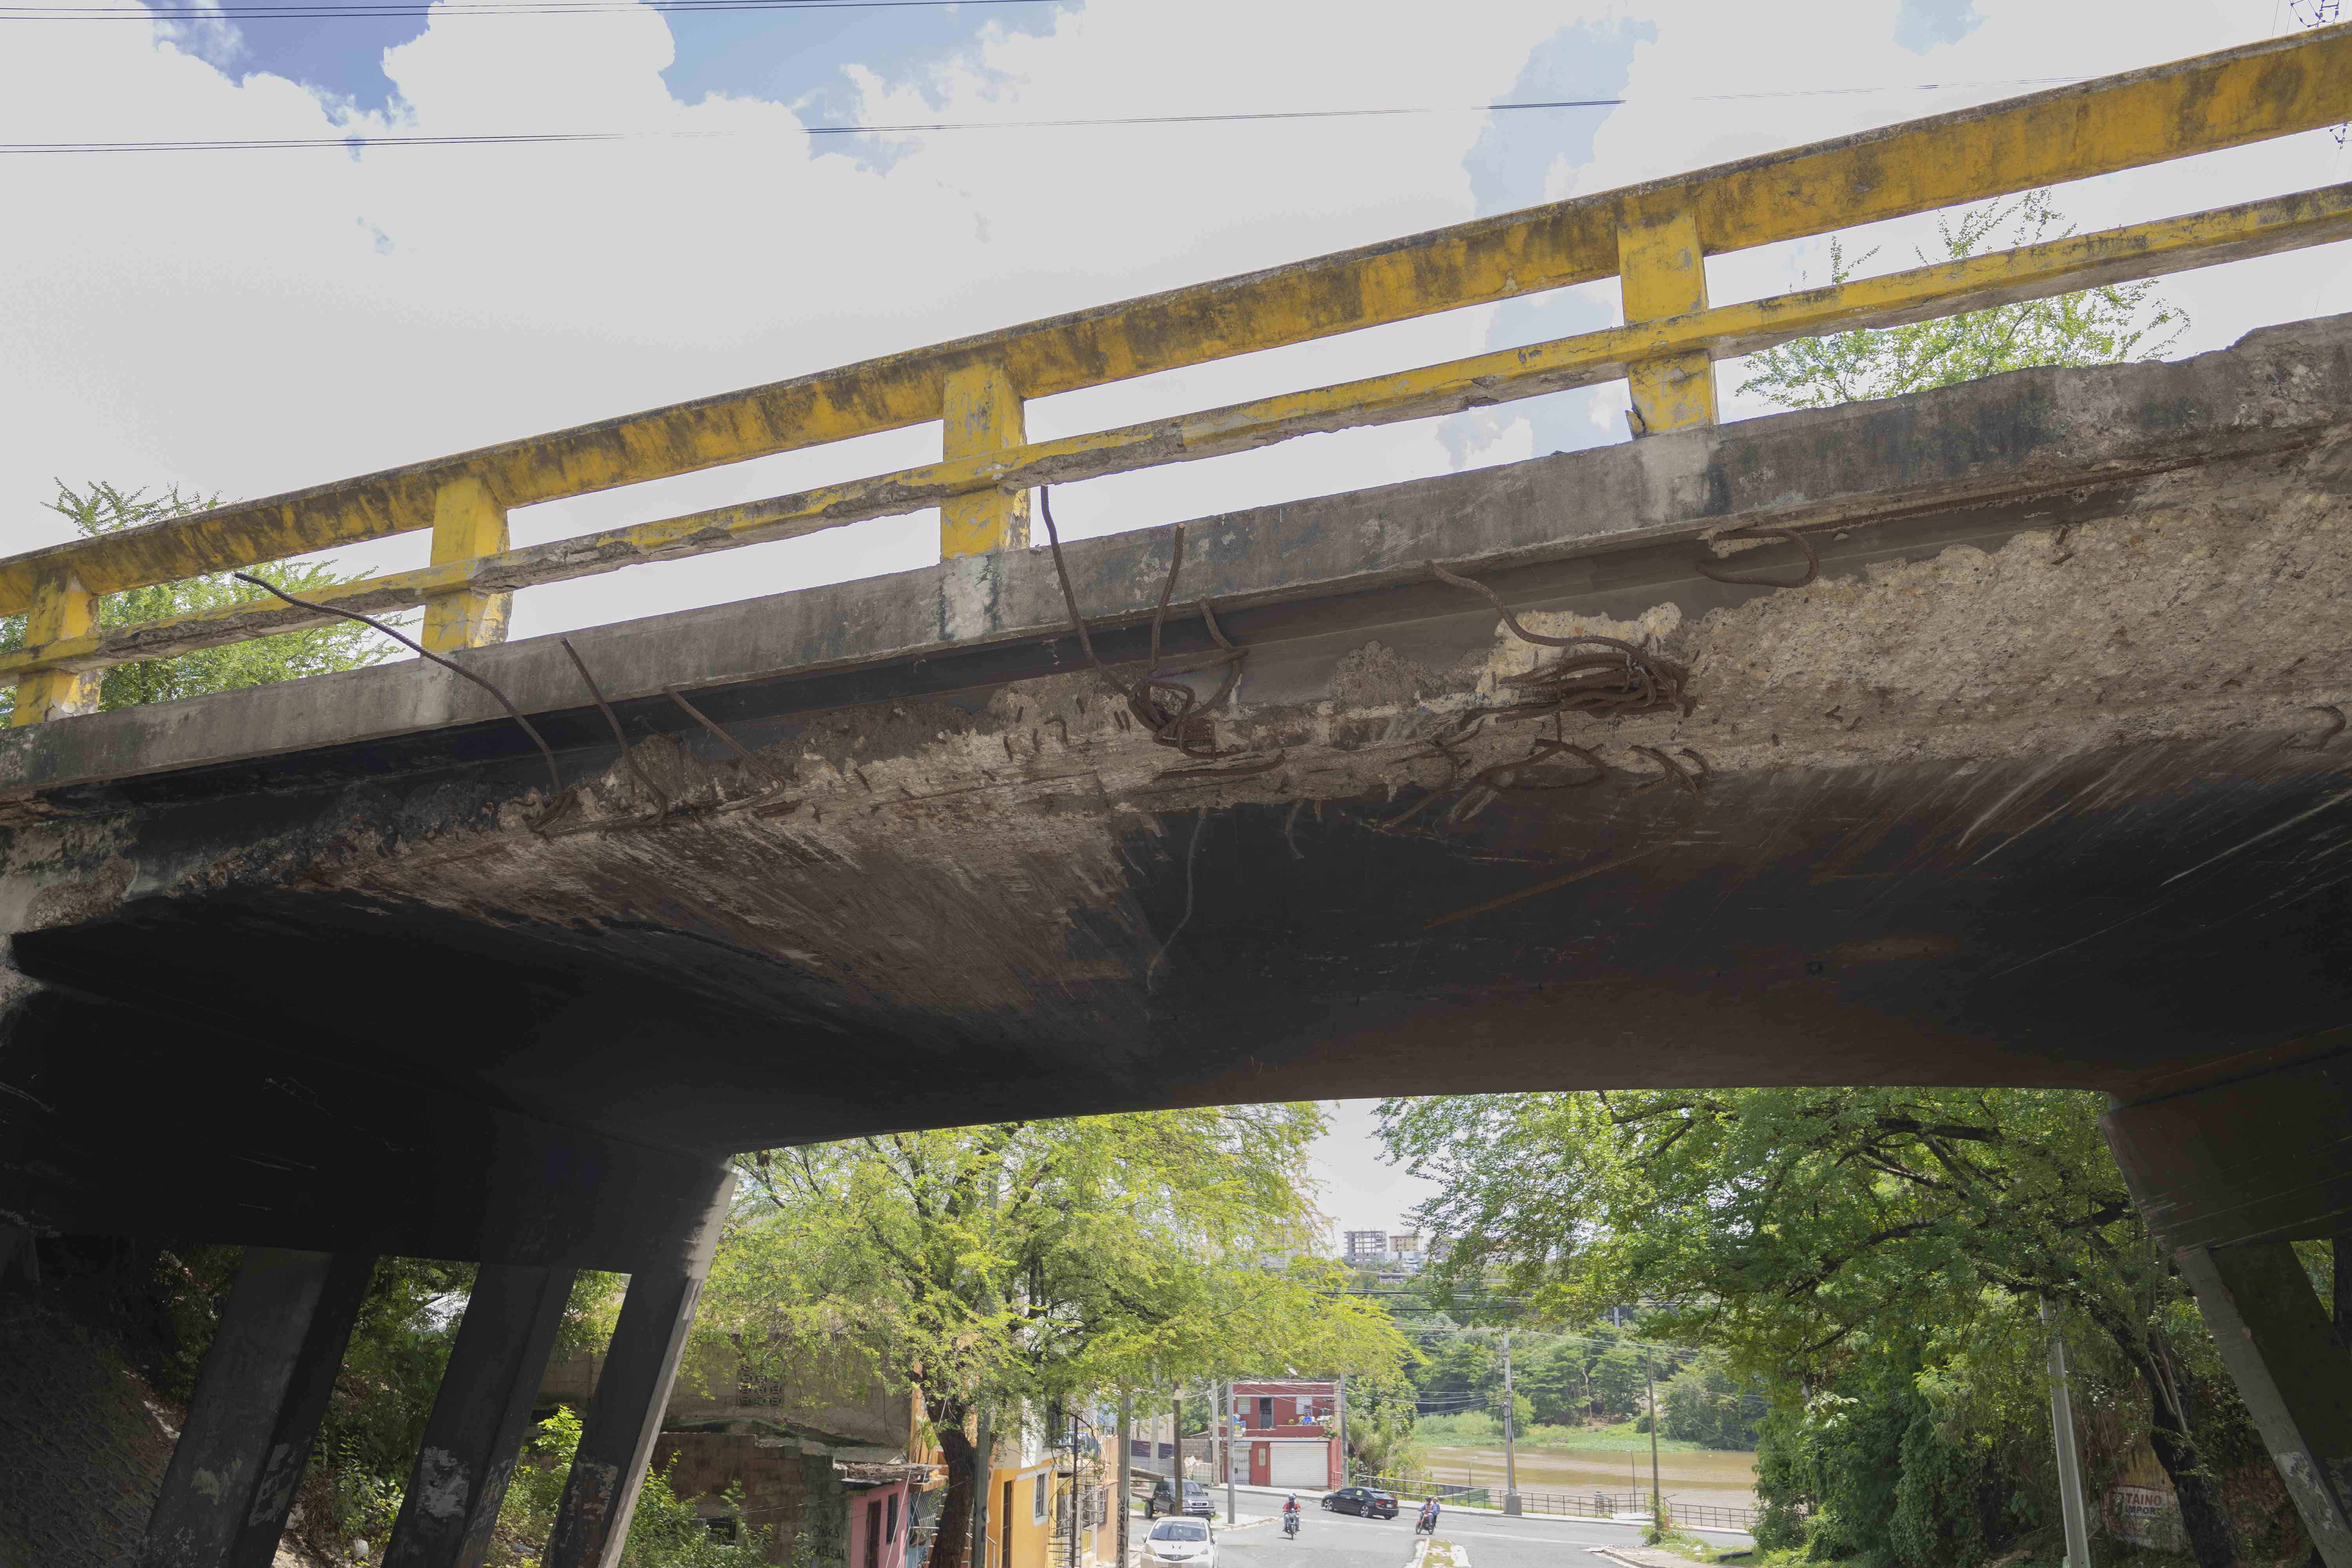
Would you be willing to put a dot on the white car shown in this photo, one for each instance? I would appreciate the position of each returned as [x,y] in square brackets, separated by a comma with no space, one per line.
[1192,1541]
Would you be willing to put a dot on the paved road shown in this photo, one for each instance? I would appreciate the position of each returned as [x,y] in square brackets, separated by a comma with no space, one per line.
[1343,1541]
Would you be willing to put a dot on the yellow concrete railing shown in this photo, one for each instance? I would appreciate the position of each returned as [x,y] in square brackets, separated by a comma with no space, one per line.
[1654,236]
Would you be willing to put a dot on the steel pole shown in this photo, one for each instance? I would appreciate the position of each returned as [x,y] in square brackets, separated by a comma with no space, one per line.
[2061,1433]
[1229,1451]
[1651,1382]
[1345,1468]
[1510,1430]
[1126,1464]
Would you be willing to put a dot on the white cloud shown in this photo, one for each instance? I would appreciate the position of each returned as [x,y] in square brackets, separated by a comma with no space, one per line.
[253,321]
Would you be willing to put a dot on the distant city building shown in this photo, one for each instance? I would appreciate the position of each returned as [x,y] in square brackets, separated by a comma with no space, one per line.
[1367,1248]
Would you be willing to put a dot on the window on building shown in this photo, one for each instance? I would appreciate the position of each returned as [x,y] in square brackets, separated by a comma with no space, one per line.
[1037,1500]
[890,1518]
[1265,1411]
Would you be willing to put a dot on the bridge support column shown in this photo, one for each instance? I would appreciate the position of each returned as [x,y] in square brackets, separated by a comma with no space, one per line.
[2228,1177]
[980,413]
[475,1430]
[591,1522]
[259,1397]
[1663,272]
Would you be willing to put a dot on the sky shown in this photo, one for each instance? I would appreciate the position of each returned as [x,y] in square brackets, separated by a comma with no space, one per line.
[245,323]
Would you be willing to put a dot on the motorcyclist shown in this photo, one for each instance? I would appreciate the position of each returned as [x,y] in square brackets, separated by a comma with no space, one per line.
[1428,1515]
[1290,1515]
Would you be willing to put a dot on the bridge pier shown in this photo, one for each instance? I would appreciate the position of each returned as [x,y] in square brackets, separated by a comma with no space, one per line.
[475,1429]
[2228,1176]
[259,1397]
[591,1522]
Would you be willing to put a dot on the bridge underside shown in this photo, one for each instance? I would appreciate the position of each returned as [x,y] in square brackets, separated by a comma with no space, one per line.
[2038,784]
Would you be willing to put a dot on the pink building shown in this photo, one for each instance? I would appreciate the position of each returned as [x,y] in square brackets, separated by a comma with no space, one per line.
[879,1499]
[1287,1434]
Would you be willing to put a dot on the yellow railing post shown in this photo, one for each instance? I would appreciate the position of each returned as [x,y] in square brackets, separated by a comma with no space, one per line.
[61,607]
[467,523]
[980,413]
[1664,273]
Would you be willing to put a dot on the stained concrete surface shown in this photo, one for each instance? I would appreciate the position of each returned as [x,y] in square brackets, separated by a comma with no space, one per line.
[2038,784]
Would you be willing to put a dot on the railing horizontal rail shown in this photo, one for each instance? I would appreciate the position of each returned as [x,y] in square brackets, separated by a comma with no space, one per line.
[2270,88]
[2137,251]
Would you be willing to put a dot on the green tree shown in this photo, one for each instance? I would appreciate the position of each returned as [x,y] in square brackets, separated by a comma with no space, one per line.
[1381,1416]
[1005,1267]
[2106,325]
[1822,1235]
[99,509]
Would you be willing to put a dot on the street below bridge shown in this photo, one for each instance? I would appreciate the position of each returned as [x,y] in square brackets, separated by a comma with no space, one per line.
[1486,1541]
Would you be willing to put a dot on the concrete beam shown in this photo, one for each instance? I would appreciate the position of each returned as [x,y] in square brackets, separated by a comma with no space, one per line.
[475,1430]
[259,1397]
[2256,1159]
[591,1522]
[2032,434]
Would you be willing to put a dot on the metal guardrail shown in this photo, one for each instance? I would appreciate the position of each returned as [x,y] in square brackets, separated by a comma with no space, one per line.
[1652,236]
[1567,1504]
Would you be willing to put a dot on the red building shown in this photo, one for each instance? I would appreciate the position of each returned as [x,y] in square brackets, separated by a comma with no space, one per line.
[1286,1433]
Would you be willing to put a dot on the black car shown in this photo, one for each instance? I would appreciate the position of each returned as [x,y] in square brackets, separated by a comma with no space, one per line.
[1361,1501]
[1196,1501]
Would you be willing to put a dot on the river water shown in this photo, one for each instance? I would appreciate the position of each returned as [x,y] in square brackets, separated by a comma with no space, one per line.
[1713,1475]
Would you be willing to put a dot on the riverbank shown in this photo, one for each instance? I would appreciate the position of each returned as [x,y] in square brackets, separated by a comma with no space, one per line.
[1724,1478]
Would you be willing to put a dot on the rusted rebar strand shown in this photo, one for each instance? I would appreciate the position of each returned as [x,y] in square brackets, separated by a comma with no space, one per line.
[554,780]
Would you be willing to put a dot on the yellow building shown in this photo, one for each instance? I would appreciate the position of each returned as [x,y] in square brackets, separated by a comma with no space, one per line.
[1021,1512]
[1031,1509]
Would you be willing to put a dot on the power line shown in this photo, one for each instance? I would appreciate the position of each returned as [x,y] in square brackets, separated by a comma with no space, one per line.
[356,142]
[320,11]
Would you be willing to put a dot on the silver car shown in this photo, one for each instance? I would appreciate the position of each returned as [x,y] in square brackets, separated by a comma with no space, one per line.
[1192,1541]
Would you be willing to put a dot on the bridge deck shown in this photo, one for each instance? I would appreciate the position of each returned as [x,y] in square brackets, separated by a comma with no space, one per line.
[2029,788]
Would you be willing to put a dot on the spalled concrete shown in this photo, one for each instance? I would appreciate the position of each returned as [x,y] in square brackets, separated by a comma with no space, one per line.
[2048,746]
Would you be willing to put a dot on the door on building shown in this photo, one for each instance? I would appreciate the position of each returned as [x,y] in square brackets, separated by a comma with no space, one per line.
[874,1533]
[1260,1459]
[1265,1413]
[1005,1530]
[1302,1464]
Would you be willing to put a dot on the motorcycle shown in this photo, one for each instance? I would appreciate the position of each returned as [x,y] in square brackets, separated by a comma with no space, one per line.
[1425,1525]
[1290,1523]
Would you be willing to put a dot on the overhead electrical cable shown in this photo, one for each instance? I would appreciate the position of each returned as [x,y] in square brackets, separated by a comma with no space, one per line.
[358,141]
[321,11]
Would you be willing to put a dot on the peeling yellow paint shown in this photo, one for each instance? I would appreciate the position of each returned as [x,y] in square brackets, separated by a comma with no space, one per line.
[1655,236]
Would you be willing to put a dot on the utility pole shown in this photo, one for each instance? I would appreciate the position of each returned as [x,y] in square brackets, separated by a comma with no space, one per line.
[983,1476]
[1229,1450]
[1126,1462]
[1344,1466]
[1510,1422]
[1176,1451]
[1656,1503]
[2061,1432]
[1078,1510]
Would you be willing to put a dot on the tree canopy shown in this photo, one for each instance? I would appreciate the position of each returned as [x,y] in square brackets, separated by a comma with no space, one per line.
[1023,1263]
[1839,1241]
[2106,325]
[98,508]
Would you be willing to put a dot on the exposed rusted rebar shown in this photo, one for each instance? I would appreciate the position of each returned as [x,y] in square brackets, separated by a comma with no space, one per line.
[1707,568]
[554,780]
[628,753]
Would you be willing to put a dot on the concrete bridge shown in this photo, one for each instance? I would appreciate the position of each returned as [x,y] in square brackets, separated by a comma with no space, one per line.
[1993,735]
